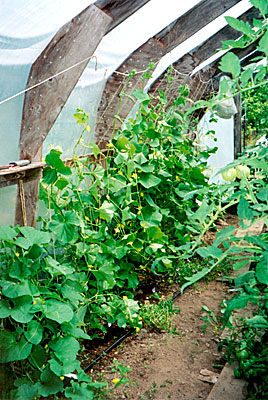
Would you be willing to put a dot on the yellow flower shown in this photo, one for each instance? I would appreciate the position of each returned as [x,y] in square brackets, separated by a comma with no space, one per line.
[120,173]
[122,226]
[62,377]
[34,302]
[117,230]
[86,217]
[138,212]
[139,318]
[17,254]
[169,137]
[137,329]
[141,194]
[115,380]
[139,170]
[46,346]
[110,145]
[140,141]
[134,175]
[90,266]
[124,297]
[177,178]
[143,224]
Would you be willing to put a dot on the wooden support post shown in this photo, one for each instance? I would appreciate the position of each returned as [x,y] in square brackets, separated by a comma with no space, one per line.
[238,127]
[73,43]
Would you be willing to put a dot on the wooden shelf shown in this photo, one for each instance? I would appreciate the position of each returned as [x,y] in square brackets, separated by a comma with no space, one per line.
[12,175]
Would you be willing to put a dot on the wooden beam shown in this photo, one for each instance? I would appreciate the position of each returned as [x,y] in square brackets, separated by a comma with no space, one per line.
[150,52]
[192,21]
[74,42]
[119,10]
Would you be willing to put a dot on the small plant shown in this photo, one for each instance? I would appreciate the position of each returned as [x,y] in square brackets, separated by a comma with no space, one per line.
[158,316]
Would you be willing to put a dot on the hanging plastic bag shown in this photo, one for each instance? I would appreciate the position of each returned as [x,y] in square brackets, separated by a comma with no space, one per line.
[226,109]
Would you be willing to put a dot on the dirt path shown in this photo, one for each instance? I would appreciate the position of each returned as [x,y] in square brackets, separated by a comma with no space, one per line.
[166,366]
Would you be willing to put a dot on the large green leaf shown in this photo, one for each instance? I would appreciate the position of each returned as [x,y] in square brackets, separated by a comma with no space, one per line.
[263,194]
[55,268]
[107,211]
[64,227]
[58,311]
[34,332]
[50,383]
[31,237]
[65,348]
[262,5]
[148,180]
[53,159]
[223,234]
[209,251]
[5,309]
[12,349]
[258,322]
[240,26]
[150,217]
[16,289]
[7,233]
[230,63]
[262,271]
[79,391]
[27,391]
[63,368]
[243,209]
[21,311]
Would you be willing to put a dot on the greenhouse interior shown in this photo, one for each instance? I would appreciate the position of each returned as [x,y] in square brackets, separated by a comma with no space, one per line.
[134,205]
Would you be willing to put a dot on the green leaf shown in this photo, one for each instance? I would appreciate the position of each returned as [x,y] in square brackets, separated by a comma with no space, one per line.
[257,322]
[263,194]
[148,180]
[107,211]
[5,309]
[27,392]
[240,26]
[21,312]
[141,96]
[55,268]
[58,311]
[262,271]
[7,233]
[262,5]
[150,217]
[223,234]
[61,183]
[16,289]
[53,159]
[79,391]
[64,226]
[98,172]
[38,356]
[263,44]
[12,349]
[50,175]
[230,63]
[34,332]
[65,348]
[34,236]
[50,383]
[63,368]
[243,209]
[209,251]
[95,149]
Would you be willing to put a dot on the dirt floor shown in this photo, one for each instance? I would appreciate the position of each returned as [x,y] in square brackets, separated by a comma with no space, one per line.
[166,366]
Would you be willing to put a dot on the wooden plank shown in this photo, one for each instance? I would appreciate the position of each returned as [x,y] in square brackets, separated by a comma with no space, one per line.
[151,51]
[238,127]
[119,9]
[73,43]
[13,177]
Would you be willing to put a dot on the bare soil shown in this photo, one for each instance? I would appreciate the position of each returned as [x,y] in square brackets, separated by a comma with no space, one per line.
[166,366]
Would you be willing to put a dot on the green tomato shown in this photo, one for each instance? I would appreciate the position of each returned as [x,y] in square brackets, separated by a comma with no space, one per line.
[242,171]
[229,175]
[242,354]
